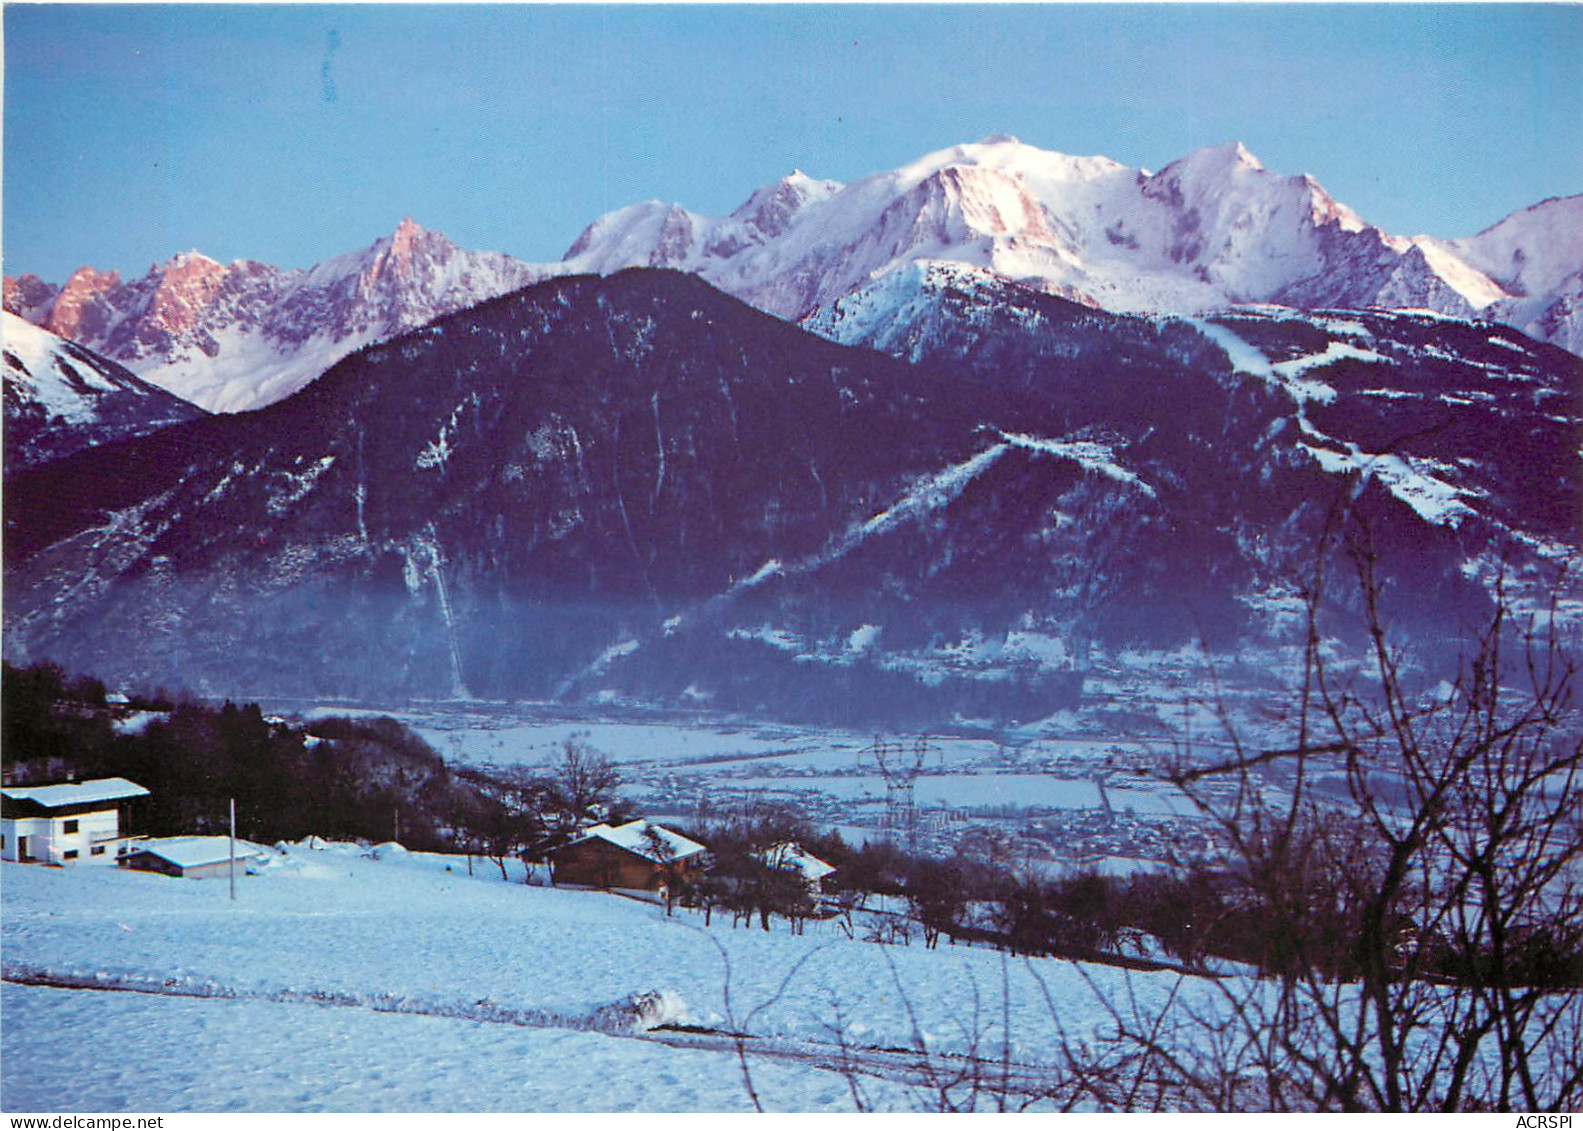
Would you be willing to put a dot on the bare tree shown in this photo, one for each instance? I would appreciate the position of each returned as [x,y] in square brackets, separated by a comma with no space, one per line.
[1418,925]
[585,783]
[1397,924]
[500,815]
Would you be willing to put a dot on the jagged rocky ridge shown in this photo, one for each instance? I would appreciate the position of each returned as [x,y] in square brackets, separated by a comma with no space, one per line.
[236,336]
[638,486]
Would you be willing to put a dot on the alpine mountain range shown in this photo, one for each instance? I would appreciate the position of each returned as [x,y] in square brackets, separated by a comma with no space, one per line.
[926,446]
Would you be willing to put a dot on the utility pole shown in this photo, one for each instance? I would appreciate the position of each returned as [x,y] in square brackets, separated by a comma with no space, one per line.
[232,868]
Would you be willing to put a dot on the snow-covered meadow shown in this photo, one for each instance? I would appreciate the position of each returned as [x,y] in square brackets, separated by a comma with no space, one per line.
[341,982]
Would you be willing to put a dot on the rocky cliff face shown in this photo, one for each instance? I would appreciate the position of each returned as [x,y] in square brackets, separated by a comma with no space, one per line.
[237,336]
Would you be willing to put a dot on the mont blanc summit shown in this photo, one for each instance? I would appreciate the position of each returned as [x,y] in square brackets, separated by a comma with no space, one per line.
[1211,230]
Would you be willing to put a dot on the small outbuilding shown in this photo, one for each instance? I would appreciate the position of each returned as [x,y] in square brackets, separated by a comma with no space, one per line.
[639,855]
[192,857]
[66,822]
[793,857]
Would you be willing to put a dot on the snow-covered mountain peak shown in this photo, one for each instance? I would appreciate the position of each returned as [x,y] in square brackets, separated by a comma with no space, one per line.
[1211,230]
[1229,181]
[1533,250]
[182,290]
[191,260]
[396,255]
[34,367]
[28,295]
[92,277]
[772,208]
[1326,209]
[964,202]
[401,243]
[1039,168]
[803,183]
[60,397]
[1534,261]
[390,257]
[189,266]
[610,235]
[1237,154]
[1214,171]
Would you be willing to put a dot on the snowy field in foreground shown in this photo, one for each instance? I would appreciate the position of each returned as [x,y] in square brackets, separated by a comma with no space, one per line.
[176,1054]
[337,982]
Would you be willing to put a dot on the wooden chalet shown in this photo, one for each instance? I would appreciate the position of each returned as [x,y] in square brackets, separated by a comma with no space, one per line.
[639,856]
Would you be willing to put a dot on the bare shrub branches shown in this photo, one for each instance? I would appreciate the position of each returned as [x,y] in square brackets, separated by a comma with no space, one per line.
[1422,947]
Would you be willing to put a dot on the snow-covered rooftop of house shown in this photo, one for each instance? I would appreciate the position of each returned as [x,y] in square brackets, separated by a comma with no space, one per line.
[62,794]
[193,851]
[634,836]
[789,855]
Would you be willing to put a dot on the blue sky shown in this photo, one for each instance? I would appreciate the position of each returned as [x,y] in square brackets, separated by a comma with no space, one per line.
[290,133]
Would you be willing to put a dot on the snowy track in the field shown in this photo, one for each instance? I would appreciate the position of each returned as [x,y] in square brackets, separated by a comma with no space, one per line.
[639,1019]
[624,1018]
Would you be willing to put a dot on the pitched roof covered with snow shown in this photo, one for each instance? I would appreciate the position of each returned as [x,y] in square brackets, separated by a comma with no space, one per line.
[635,837]
[790,855]
[194,851]
[62,794]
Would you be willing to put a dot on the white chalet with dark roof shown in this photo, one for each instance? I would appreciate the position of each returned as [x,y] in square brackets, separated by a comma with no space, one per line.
[65,823]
